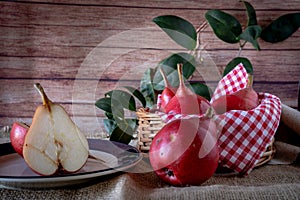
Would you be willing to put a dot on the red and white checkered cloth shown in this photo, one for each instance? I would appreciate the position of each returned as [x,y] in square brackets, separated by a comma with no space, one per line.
[243,135]
[235,80]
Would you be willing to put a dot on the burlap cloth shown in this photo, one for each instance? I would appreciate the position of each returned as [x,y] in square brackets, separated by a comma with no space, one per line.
[279,179]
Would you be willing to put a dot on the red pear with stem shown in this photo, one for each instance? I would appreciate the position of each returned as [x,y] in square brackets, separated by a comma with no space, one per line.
[185,151]
[186,101]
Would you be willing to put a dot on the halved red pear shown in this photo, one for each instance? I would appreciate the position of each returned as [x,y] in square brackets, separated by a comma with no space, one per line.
[53,142]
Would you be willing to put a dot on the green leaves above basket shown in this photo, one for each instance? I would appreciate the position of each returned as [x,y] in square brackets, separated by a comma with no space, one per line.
[229,29]
[180,30]
[225,26]
[281,28]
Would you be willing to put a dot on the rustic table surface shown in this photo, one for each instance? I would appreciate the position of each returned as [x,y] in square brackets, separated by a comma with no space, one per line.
[78,50]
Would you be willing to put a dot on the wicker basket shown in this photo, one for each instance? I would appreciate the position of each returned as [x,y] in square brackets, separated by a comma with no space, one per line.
[267,155]
[151,123]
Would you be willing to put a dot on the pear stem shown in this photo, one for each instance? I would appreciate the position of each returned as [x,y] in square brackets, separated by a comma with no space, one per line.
[45,99]
[210,113]
[167,85]
[179,69]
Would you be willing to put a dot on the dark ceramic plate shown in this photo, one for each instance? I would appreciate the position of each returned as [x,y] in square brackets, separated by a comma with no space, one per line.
[14,172]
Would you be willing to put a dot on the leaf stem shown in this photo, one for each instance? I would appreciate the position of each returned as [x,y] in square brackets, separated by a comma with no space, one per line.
[241,48]
[197,51]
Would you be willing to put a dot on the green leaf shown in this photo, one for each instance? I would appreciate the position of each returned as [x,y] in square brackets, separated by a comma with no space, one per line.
[109,115]
[251,14]
[179,29]
[111,106]
[104,104]
[122,136]
[120,130]
[202,90]
[225,26]
[147,88]
[137,94]
[109,125]
[250,34]
[124,130]
[133,123]
[124,98]
[233,63]
[169,65]
[281,28]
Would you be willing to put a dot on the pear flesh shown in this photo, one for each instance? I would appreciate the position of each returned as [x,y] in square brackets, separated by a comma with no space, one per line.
[53,142]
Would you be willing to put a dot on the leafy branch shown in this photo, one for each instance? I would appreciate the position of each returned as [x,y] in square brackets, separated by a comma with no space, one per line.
[226,27]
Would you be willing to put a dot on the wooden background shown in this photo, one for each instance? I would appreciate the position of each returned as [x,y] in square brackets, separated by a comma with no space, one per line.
[78,50]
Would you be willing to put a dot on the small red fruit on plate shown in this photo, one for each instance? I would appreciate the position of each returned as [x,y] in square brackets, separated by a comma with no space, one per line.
[185,152]
[17,136]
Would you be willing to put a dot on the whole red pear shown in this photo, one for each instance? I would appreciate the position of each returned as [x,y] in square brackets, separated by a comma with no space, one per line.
[185,152]
[17,136]
[186,101]
[245,99]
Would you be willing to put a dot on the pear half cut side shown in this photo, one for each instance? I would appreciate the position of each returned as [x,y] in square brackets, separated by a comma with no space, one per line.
[53,142]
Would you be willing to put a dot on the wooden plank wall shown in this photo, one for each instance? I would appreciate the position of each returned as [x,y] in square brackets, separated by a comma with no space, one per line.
[78,50]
